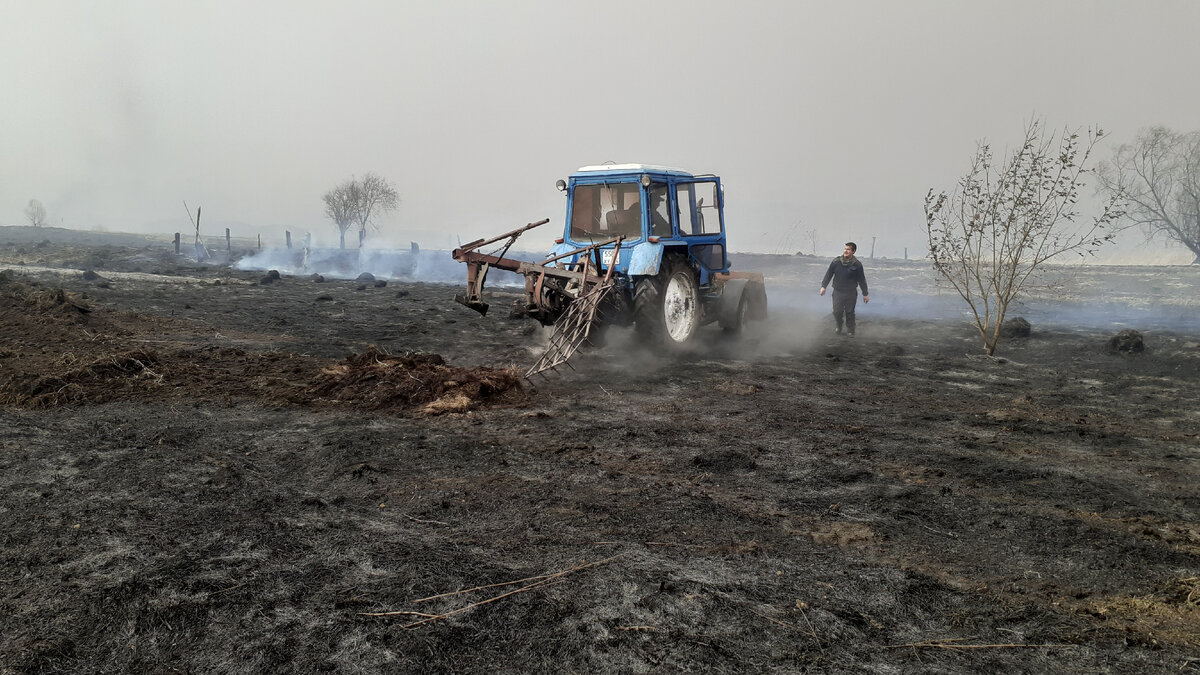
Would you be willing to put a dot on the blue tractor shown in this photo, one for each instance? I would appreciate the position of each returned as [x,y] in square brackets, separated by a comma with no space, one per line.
[643,245]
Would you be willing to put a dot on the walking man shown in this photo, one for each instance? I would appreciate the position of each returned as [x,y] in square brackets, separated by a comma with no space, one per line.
[847,275]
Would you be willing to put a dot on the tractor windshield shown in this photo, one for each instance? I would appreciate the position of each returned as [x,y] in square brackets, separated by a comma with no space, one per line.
[606,211]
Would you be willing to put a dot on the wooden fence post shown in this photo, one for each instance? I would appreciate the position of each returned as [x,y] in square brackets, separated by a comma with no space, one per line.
[228,246]
[176,243]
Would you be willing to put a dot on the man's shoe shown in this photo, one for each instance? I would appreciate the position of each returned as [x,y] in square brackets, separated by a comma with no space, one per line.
[850,334]
[838,331]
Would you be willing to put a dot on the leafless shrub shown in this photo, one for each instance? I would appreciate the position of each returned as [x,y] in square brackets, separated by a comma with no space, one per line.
[992,234]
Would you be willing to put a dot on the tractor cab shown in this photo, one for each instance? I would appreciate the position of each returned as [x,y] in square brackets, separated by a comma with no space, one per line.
[656,210]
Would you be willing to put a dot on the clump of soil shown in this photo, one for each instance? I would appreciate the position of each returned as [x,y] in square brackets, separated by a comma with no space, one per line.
[1128,341]
[1017,327]
[41,302]
[377,380]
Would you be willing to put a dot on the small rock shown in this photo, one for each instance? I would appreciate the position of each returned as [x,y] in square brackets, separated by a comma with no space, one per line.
[365,276]
[317,278]
[380,283]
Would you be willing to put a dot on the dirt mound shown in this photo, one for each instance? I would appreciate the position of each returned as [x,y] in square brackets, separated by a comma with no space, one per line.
[60,352]
[40,302]
[1017,327]
[1128,341]
[108,373]
[377,380]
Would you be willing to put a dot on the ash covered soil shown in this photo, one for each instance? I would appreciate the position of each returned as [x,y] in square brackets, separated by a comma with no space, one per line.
[202,472]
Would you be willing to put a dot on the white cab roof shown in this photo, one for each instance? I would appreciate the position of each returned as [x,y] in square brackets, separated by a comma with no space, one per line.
[631,167]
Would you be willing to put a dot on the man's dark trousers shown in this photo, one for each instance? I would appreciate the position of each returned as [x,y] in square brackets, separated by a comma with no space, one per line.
[843,307]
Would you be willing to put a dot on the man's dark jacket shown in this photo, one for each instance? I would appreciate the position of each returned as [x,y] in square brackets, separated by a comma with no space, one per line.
[846,275]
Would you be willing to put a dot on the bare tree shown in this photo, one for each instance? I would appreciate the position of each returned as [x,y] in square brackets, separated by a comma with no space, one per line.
[356,202]
[1159,175]
[1004,221]
[374,195]
[35,213]
[340,207]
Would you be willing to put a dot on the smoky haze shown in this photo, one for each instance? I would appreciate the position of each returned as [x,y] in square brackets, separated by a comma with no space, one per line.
[826,118]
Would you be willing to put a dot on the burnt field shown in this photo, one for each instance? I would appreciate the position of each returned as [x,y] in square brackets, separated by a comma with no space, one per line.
[203,472]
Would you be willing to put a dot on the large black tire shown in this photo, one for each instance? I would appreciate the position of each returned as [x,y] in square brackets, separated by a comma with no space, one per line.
[667,307]
[647,310]
[738,322]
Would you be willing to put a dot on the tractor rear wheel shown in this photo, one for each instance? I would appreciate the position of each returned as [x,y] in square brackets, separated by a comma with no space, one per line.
[738,322]
[667,307]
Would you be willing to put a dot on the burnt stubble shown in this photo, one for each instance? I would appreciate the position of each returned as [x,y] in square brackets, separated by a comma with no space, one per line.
[202,473]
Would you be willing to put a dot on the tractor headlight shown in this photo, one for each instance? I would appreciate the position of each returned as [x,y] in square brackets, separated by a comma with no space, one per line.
[645,180]
[561,185]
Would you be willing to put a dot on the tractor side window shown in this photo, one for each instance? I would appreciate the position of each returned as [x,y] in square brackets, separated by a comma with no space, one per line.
[660,218]
[685,198]
[698,211]
[709,215]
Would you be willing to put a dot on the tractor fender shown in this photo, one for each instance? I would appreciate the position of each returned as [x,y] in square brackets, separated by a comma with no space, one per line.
[645,258]
[731,296]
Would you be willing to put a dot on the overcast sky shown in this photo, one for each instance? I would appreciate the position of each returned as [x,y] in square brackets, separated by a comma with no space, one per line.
[831,116]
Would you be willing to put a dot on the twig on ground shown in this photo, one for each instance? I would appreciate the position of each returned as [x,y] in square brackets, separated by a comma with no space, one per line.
[811,632]
[784,624]
[473,605]
[521,581]
[427,522]
[637,629]
[224,590]
[539,582]
[480,588]
[950,643]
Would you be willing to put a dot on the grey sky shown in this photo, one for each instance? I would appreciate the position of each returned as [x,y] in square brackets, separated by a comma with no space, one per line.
[828,116]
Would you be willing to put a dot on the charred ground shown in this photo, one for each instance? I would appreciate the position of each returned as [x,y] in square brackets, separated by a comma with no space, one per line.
[202,472]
